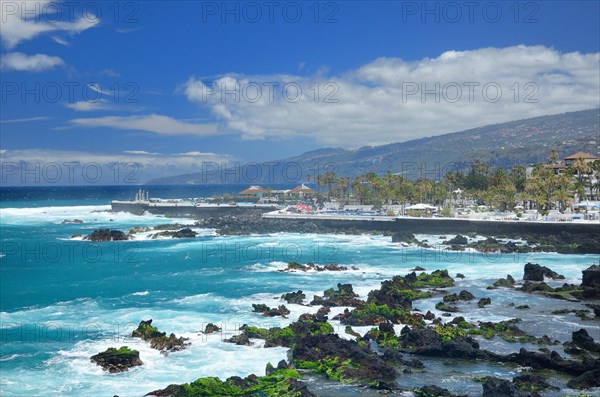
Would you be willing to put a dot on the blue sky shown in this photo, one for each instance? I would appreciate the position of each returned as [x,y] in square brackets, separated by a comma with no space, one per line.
[145,75]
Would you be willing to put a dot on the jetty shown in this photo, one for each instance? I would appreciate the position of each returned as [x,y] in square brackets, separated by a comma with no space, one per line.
[142,203]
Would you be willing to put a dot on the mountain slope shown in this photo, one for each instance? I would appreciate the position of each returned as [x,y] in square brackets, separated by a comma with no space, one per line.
[500,145]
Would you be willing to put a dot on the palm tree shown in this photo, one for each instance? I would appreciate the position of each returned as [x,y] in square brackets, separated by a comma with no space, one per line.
[359,190]
[440,192]
[505,196]
[344,184]
[423,188]
[580,170]
[518,176]
[477,178]
[389,187]
[541,187]
[498,178]
[375,187]
[329,178]
[320,181]
[564,191]
[595,180]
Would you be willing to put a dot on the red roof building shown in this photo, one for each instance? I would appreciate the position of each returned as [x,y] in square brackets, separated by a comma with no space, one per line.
[303,190]
[559,168]
[581,155]
[255,191]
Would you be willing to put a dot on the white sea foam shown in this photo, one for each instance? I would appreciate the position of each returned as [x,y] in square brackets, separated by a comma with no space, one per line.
[20,216]
[69,371]
[10,357]
[208,355]
[89,214]
[152,235]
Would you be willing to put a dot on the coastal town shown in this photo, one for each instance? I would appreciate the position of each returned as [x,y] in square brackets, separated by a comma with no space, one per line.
[562,190]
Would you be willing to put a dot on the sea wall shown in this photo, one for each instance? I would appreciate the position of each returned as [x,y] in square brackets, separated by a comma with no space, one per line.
[381,225]
[185,210]
[443,226]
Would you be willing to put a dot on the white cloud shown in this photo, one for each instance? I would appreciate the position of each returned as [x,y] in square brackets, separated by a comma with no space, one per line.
[155,123]
[135,166]
[110,73]
[60,40]
[29,63]
[373,104]
[139,152]
[97,88]
[88,106]
[25,20]
[194,153]
[25,120]
[129,30]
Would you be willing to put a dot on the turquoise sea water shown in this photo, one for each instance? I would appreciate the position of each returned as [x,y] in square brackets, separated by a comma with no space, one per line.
[63,299]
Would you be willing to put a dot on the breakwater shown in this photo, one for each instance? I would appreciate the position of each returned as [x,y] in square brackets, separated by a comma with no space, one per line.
[197,212]
[441,225]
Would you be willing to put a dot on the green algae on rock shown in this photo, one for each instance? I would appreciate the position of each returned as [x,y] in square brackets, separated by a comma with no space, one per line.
[281,382]
[117,360]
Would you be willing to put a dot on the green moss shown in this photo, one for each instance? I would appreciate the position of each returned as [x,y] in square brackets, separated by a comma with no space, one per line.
[508,332]
[295,265]
[277,384]
[571,295]
[529,387]
[255,332]
[488,333]
[386,340]
[286,336]
[329,292]
[438,278]
[123,354]
[122,350]
[211,386]
[370,311]
[446,308]
[332,367]
[320,328]
[466,325]
[448,332]
[350,331]
[274,336]
[282,333]
[401,293]
[391,343]
[146,331]
[302,364]
[509,281]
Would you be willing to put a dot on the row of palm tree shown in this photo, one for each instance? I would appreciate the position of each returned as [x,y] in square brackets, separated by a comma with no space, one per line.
[543,189]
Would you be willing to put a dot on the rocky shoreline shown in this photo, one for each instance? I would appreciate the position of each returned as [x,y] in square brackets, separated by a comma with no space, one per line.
[252,222]
[380,358]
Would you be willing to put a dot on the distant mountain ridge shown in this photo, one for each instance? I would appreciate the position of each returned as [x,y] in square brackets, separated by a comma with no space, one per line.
[499,145]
